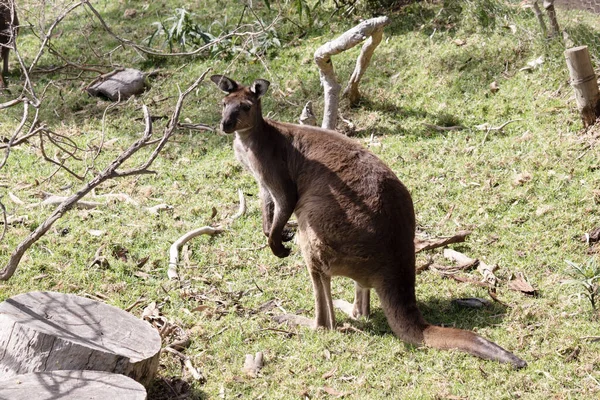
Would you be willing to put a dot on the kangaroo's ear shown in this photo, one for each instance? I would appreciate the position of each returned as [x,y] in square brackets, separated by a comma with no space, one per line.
[259,87]
[224,83]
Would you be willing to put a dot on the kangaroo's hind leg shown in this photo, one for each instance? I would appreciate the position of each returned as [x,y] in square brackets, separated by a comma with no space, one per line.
[361,306]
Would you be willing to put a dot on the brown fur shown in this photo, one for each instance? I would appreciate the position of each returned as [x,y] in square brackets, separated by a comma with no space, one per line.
[8,20]
[355,218]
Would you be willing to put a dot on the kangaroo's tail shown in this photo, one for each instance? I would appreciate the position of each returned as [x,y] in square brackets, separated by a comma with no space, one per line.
[405,319]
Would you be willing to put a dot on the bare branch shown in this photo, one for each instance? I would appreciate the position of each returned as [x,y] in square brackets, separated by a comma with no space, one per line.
[170,128]
[71,201]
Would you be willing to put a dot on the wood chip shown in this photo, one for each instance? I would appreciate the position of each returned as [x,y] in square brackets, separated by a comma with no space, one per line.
[253,364]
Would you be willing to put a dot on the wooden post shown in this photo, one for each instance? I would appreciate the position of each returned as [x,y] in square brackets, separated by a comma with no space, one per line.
[584,83]
[48,331]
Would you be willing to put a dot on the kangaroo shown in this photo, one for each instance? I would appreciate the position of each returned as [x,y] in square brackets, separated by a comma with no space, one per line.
[8,29]
[355,218]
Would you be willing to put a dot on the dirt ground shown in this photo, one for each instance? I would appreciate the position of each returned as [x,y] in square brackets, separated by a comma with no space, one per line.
[590,5]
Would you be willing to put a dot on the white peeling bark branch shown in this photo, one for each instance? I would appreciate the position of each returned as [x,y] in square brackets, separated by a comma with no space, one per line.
[174,249]
[205,230]
[369,28]
[361,64]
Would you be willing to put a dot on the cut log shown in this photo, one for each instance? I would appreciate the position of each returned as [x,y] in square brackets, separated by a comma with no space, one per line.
[583,81]
[71,385]
[47,331]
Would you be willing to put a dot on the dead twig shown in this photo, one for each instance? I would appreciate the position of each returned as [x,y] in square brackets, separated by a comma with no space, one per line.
[444,128]
[187,362]
[488,128]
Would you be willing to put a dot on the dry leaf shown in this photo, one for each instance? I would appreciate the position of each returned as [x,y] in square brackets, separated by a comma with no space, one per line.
[592,236]
[459,42]
[543,210]
[522,178]
[329,373]
[494,87]
[521,285]
[142,261]
[96,232]
[333,392]
[150,311]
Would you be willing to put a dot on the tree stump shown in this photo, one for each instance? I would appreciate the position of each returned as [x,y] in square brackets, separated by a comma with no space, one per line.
[71,385]
[47,331]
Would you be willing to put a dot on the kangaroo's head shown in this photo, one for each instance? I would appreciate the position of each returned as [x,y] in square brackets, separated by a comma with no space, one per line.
[241,106]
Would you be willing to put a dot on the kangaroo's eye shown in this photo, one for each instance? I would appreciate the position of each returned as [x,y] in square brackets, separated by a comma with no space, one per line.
[224,105]
[246,107]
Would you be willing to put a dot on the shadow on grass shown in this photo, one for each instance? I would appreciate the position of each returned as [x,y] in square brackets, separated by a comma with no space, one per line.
[174,388]
[441,312]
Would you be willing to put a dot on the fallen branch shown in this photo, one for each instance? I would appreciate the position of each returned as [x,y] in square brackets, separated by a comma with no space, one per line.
[428,244]
[195,127]
[205,230]
[488,127]
[174,249]
[444,128]
[150,51]
[370,28]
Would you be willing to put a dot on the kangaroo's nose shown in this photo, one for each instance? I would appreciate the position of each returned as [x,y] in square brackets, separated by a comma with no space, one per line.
[227,126]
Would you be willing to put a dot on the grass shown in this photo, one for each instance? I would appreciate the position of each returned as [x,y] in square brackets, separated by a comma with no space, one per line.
[459,180]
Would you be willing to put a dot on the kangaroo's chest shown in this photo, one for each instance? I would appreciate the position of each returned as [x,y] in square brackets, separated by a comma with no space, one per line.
[249,160]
